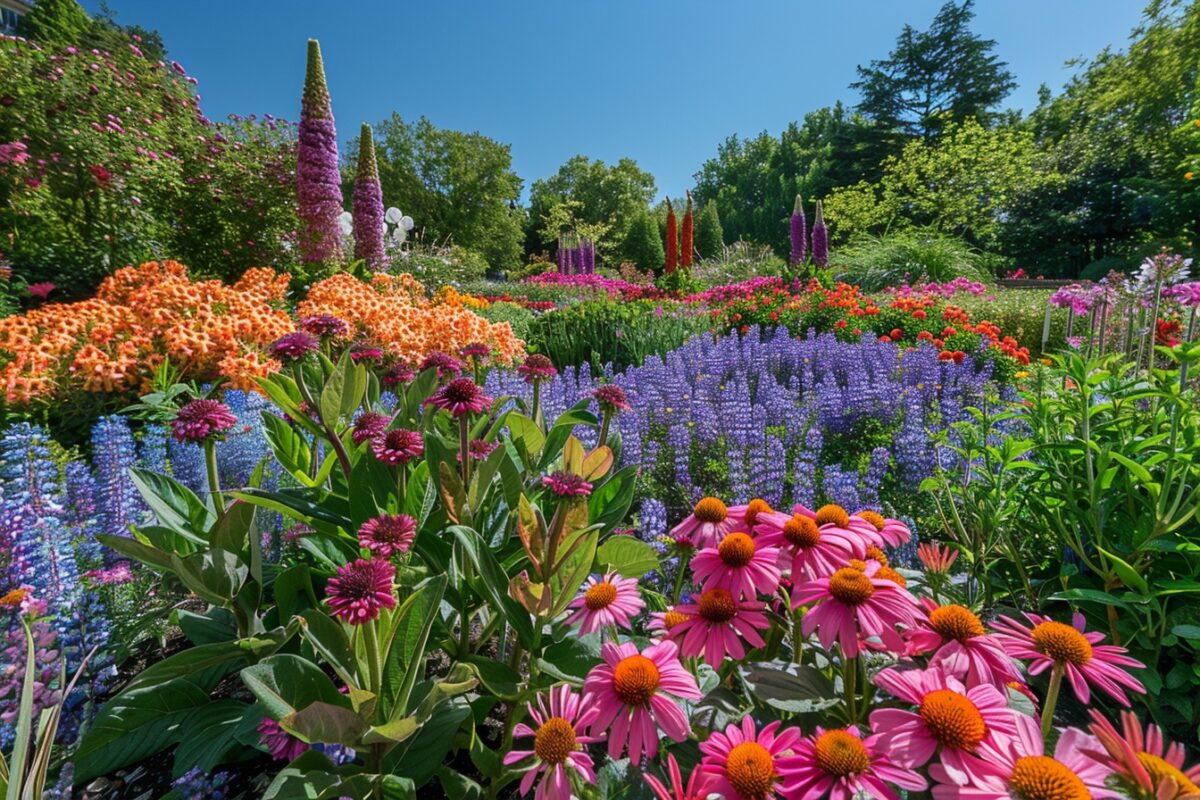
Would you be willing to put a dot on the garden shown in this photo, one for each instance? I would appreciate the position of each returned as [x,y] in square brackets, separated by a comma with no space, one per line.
[307,496]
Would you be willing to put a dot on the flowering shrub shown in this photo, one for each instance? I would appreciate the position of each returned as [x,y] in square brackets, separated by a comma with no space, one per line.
[615,288]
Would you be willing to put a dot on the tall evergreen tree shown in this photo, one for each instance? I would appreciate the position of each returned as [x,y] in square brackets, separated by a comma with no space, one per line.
[642,243]
[709,236]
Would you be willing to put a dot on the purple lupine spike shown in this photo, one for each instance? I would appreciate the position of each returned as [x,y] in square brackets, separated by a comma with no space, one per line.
[820,239]
[318,181]
[367,204]
[799,232]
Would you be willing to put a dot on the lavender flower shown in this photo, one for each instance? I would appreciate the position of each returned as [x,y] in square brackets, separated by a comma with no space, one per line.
[799,233]
[820,239]
[318,180]
[367,204]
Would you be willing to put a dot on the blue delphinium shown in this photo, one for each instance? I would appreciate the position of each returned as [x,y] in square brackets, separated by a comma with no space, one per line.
[113,454]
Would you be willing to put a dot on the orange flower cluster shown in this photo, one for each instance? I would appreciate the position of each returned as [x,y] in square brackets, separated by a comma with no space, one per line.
[390,314]
[140,318]
[449,296]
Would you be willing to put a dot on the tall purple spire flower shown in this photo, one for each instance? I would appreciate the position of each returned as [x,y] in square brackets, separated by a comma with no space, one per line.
[318,181]
[820,239]
[799,232]
[367,205]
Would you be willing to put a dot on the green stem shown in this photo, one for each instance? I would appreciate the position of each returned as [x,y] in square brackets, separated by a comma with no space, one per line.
[604,428]
[680,574]
[214,483]
[1056,677]
[797,635]
[849,679]
[464,451]
[371,645]
[537,401]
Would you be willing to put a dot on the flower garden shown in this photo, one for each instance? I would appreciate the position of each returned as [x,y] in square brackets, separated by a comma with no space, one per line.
[349,526]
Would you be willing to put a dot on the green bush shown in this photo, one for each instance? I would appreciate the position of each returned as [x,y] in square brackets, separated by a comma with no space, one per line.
[875,263]
[1020,313]
[623,334]
[519,318]
[436,265]
[642,245]
[738,262]
[1101,267]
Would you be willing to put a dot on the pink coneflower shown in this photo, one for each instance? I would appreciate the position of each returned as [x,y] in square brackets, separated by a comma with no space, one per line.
[741,764]
[479,449]
[937,558]
[537,367]
[949,716]
[201,421]
[398,446]
[893,531]
[678,791]
[294,346]
[117,573]
[476,350]
[961,646]
[388,534]
[632,691]
[360,589]
[1146,767]
[279,743]
[460,397]
[611,398]
[368,353]
[1067,648]
[325,325]
[707,524]
[738,565]
[1016,768]
[447,366]
[368,425]
[40,290]
[663,622]
[804,548]
[751,513]
[611,601]
[851,604]
[840,765]
[715,625]
[398,373]
[561,717]
[567,484]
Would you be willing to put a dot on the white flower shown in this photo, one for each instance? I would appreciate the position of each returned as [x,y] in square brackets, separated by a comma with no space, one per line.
[399,235]
[394,215]
[346,223]
[407,223]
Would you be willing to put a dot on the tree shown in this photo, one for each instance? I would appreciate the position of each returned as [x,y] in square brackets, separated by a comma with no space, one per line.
[942,75]
[53,23]
[709,237]
[642,244]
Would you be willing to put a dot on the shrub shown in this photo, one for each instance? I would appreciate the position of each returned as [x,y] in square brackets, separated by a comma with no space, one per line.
[738,262]
[1021,314]
[709,236]
[519,318]
[642,244]
[1100,268]
[436,265]
[875,263]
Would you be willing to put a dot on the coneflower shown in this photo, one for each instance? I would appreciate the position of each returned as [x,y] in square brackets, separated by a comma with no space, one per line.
[686,246]
[820,239]
[318,182]
[799,231]
[672,239]
[367,205]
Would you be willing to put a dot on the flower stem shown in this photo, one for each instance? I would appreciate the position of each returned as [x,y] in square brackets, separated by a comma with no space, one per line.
[464,451]
[371,645]
[680,574]
[849,679]
[214,483]
[797,635]
[604,429]
[537,402]
[1056,677]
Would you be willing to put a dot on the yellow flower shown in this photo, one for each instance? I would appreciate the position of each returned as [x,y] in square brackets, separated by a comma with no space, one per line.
[1187,176]
[1022,374]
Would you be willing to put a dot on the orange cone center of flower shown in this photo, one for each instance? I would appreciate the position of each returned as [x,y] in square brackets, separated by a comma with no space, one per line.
[875,553]
[710,509]
[1043,778]
[756,506]
[875,519]
[840,753]
[800,531]
[952,719]
[736,549]
[886,573]
[851,586]
[832,515]
[673,618]
[717,605]
[13,598]
[751,770]
[554,740]
[1161,771]
[600,595]
[1062,643]
[956,622]
[635,680]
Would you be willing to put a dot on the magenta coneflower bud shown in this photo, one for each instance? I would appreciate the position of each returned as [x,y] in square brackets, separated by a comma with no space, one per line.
[368,353]
[447,366]
[294,346]
[368,426]
[361,589]
[476,350]
[567,484]
[460,397]
[202,420]
[611,398]
[388,535]
[398,446]
[537,367]
[325,325]
[398,373]
[279,743]
[479,449]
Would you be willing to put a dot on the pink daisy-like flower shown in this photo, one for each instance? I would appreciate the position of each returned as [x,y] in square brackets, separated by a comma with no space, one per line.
[325,325]
[368,426]
[567,484]
[716,624]
[740,764]
[1017,768]
[1049,643]
[949,716]
[561,717]
[707,524]
[202,420]
[40,290]
[398,373]
[460,397]
[388,534]
[852,603]
[606,602]
[960,646]
[368,353]
[678,791]
[294,346]
[893,531]
[633,691]
[398,446]
[611,398]
[279,743]
[663,622]
[840,765]
[476,350]
[537,367]
[751,513]
[360,589]
[738,565]
[807,550]
[447,366]
[833,517]
[479,449]
[1145,766]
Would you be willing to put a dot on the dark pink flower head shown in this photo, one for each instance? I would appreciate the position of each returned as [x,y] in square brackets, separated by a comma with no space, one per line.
[840,764]
[202,420]
[117,573]
[368,426]
[40,290]
[366,352]
[447,366]
[479,449]
[537,367]
[388,534]
[741,763]
[360,589]
[398,373]
[398,446]
[279,743]
[294,346]
[324,325]
[567,484]
[476,350]
[460,397]
[611,398]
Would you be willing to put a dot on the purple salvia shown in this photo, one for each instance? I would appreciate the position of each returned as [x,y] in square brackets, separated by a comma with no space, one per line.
[820,239]
[799,232]
[318,181]
[367,204]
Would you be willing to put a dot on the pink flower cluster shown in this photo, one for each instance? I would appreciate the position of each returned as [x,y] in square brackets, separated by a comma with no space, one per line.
[614,287]
[946,289]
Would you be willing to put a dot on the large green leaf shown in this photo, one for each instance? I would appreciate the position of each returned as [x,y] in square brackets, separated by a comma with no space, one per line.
[176,506]
[420,756]
[608,505]
[494,582]
[285,683]
[325,722]
[210,735]
[627,556]
[404,644]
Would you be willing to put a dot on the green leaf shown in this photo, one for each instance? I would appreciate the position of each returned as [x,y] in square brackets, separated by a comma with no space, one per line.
[209,735]
[213,626]
[325,722]
[526,435]
[608,505]
[176,506]
[142,553]
[627,556]
[574,571]
[1190,632]
[1090,596]
[404,645]
[234,527]
[420,756]
[496,676]
[226,655]
[1128,575]
[802,690]
[494,582]
[329,639]
[284,683]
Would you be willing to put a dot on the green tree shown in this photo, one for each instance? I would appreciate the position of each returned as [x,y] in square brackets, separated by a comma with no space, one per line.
[934,77]
[709,238]
[642,244]
[53,23]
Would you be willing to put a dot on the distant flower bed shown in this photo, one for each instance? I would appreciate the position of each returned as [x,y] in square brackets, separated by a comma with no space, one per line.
[614,287]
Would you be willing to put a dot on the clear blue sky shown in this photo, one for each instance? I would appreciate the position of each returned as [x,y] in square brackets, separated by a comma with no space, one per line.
[662,81]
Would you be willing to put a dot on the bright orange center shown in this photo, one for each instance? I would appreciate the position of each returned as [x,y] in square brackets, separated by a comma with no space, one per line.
[840,753]
[555,740]
[851,586]
[751,770]
[635,680]
[13,598]
[673,618]
[875,519]
[717,605]
[952,719]
[886,573]
[1062,643]
[1161,771]
[753,509]
[956,622]
[1043,778]
[710,509]
[833,515]
[802,532]
[875,553]
[736,549]
[600,595]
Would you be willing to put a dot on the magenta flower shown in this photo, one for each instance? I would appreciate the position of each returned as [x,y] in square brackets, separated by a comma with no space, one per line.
[716,624]
[366,205]
[117,573]
[851,605]
[694,789]
[893,532]
[840,765]
[325,325]
[738,565]
[388,534]
[537,367]
[447,366]
[318,178]
[476,350]
[707,524]
[368,426]
[611,398]
[561,717]
[366,352]
[294,346]
[460,397]
[40,290]
[1144,765]
[610,601]
[398,373]
[360,590]
[201,421]
[279,743]
[479,449]
[398,446]
[742,764]
[809,551]
[567,484]
[960,646]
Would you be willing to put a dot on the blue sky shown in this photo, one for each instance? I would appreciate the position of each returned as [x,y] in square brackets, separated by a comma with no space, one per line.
[662,81]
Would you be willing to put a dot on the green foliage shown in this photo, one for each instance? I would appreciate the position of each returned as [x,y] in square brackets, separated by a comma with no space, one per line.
[904,258]
[738,262]
[56,23]
[1100,268]
[709,236]
[437,266]
[642,245]
[519,318]
[623,334]
[1020,313]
